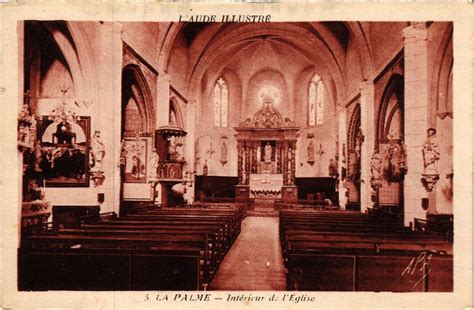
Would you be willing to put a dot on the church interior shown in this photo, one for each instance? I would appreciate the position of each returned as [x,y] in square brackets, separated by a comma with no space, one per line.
[309,156]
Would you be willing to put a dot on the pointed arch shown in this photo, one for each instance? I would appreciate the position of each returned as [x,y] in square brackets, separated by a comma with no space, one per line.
[134,85]
[176,115]
[391,105]
[442,75]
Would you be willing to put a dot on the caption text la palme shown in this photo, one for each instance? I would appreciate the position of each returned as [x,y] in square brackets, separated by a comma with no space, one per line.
[294,298]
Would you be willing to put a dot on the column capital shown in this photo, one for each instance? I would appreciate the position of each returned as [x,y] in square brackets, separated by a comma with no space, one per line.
[164,77]
[340,109]
[365,85]
[416,31]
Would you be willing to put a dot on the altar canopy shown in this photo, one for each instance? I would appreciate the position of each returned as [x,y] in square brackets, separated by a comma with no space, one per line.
[266,149]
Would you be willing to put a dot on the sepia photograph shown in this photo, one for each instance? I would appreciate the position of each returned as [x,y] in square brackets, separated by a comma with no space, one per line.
[236,154]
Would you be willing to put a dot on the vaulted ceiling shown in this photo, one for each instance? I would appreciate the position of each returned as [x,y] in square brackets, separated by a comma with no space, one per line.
[246,47]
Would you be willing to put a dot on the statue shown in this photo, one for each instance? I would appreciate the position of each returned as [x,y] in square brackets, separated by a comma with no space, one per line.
[223,153]
[310,150]
[430,152]
[123,154]
[205,168]
[267,153]
[97,151]
[288,178]
[154,163]
[138,169]
[333,168]
[393,162]
[171,148]
[376,170]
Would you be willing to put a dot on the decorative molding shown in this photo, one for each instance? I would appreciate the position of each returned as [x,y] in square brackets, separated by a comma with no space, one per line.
[267,117]
[429,181]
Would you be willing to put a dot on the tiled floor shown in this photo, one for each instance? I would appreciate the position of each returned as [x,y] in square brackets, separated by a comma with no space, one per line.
[254,263]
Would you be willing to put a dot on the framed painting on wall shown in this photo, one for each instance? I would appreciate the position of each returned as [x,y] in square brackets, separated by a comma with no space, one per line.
[136,159]
[64,148]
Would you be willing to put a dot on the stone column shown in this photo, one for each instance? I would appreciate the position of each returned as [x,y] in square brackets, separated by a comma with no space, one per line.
[242,191]
[247,152]
[254,157]
[278,156]
[111,116]
[289,190]
[163,99]
[249,157]
[239,160]
[293,161]
[189,146]
[367,124]
[341,119]
[162,118]
[415,117]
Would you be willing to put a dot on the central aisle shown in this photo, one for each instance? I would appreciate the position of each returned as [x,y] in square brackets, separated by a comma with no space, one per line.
[254,263]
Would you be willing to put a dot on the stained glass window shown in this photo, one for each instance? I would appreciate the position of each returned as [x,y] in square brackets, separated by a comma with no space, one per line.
[221,101]
[315,101]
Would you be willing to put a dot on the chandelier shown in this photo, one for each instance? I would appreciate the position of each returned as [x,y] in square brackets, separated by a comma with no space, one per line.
[63,112]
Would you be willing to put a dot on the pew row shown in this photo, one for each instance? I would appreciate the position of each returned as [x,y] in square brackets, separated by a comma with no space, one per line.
[327,250]
[186,247]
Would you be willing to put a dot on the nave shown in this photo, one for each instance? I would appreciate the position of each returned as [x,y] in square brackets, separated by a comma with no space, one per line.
[254,263]
[151,154]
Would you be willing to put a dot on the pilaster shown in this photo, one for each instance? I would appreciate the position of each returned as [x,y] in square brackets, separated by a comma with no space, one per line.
[367,125]
[415,117]
[342,129]
[163,99]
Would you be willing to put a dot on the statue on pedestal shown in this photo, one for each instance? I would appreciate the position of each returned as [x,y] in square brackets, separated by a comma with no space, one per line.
[431,156]
[267,155]
[430,152]
[154,163]
[310,151]
[97,151]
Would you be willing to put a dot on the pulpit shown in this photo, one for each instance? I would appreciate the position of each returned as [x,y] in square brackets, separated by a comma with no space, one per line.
[266,149]
[170,168]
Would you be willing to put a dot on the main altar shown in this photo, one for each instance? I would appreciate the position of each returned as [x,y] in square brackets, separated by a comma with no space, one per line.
[266,148]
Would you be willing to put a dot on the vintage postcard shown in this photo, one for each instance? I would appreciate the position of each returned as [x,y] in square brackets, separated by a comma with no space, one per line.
[185,155]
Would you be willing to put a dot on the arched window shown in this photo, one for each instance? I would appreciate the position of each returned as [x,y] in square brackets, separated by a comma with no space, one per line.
[221,99]
[315,101]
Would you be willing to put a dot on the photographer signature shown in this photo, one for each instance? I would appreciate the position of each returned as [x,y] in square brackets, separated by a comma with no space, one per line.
[420,263]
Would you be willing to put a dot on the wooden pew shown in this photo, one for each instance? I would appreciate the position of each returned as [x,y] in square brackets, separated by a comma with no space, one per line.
[229,220]
[117,241]
[110,269]
[186,244]
[369,272]
[228,234]
[338,250]
[214,247]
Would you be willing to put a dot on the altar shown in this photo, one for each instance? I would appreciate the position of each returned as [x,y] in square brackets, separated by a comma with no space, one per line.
[266,148]
[266,185]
